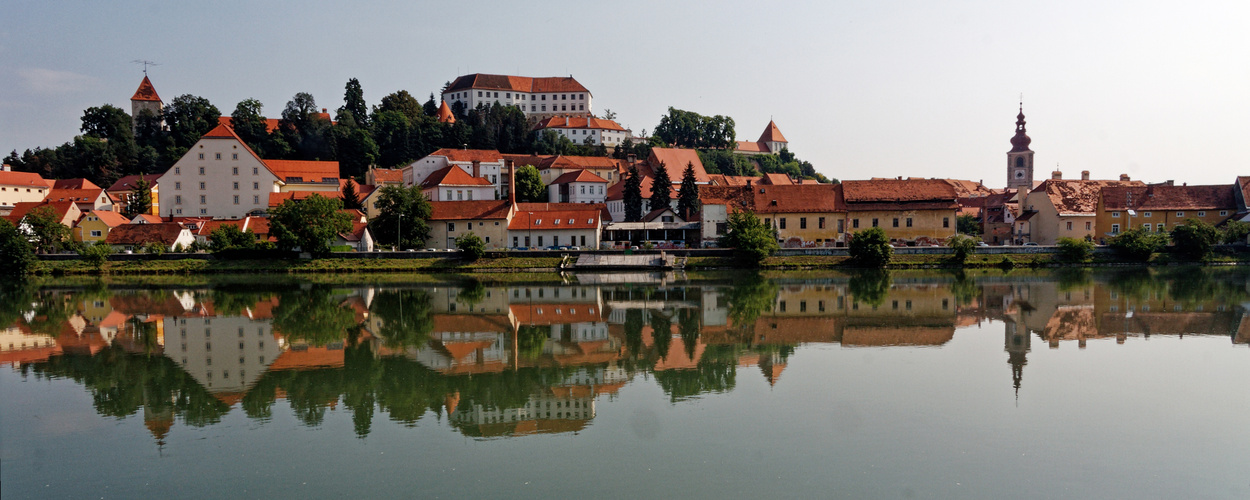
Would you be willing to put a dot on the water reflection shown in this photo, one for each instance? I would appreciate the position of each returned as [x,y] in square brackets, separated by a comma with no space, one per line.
[511,360]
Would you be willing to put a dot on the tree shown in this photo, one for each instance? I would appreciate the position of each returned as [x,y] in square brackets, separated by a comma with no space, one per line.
[354,148]
[430,107]
[354,103]
[688,195]
[1234,231]
[968,224]
[229,237]
[47,229]
[529,185]
[661,189]
[308,224]
[351,199]
[633,195]
[140,199]
[189,118]
[402,218]
[402,102]
[95,254]
[17,256]
[608,114]
[250,125]
[1194,239]
[869,286]
[471,246]
[306,130]
[871,248]
[1075,249]
[1138,244]
[962,246]
[752,240]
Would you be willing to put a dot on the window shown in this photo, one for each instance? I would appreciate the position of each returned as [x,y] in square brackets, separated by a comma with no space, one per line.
[234,170]
[203,211]
[448,195]
[177,170]
[479,93]
[1146,226]
[470,195]
[234,156]
[459,195]
[802,222]
[909,222]
[874,222]
[217,156]
[1202,214]
[781,222]
[255,186]
[201,156]
[583,240]
[896,222]
[721,227]
[236,186]
[1180,214]
[1223,213]
[1069,225]
[1115,229]
[95,234]
[1146,214]
[177,185]
[1159,227]
[236,199]
[255,170]
[1087,226]
[451,227]
[855,223]
[582,106]
[540,243]
[1115,215]
[515,243]
[202,186]
[201,170]
[203,199]
[946,222]
[840,225]
[178,199]
[255,199]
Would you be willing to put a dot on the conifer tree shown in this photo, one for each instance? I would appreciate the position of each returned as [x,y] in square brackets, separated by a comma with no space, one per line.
[661,189]
[688,195]
[140,201]
[351,199]
[633,195]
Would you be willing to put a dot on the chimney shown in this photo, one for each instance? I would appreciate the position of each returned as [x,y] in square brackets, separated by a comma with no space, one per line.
[511,182]
[748,182]
[900,177]
[323,110]
[1124,178]
[1056,175]
[1170,182]
[8,168]
[477,168]
[1085,175]
[631,159]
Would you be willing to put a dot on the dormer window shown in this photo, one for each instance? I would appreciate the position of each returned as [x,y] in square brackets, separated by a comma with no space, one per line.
[538,222]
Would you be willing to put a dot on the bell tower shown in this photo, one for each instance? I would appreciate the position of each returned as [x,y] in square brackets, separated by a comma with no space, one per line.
[145,100]
[1020,158]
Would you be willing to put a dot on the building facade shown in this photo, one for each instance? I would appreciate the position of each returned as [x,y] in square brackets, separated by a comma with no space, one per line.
[538,98]
[220,176]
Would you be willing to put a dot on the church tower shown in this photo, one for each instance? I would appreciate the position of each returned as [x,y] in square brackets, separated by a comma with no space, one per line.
[1020,158]
[145,99]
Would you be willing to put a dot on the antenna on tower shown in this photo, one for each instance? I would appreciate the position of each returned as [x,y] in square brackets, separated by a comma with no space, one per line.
[145,64]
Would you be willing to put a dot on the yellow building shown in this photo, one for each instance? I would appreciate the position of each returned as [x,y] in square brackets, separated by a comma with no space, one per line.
[1162,207]
[485,218]
[95,225]
[1060,208]
[804,215]
[911,211]
[123,190]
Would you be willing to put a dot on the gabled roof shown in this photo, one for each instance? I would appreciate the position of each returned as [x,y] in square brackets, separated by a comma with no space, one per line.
[128,182]
[146,91]
[357,233]
[772,134]
[556,314]
[898,190]
[968,189]
[60,208]
[445,115]
[112,219]
[655,214]
[304,171]
[145,219]
[469,155]
[557,217]
[578,123]
[1164,197]
[469,210]
[142,234]
[276,199]
[383,175]
[271,124]
[75,195]
[73,184]
[25,179]
[578,176]
[675,160]
[223,131]
[776,180]
[516,83]
[1078,197]
[452,175]
[797,198]
[732,180]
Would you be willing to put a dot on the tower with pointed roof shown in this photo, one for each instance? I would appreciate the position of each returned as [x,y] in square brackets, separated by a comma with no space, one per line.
[772,138]
[1020,158]
[145,99]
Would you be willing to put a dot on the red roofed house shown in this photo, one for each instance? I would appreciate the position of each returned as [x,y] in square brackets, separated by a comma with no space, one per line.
[133,237]
[384,176]
[674,161]
[577,186]
[544,225]
[486,218]
[452,183]
[771,142]
[17,187]
[552,167]
[1161,207]
[87,195]
[359,238]
[587,131]
[485,163]
[66,212]
[538,98]
[95,225]
[1060,208]
[123,189]
[911,211]
[304,175]
[220,177]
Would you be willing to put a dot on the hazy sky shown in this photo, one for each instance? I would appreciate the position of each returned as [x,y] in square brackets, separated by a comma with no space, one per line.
[1158,90]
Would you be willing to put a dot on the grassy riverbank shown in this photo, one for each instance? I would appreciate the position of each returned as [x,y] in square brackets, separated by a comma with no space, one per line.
[945,261]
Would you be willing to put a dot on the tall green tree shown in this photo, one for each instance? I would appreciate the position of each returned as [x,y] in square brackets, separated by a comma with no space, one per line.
[306,130]
[633,195]
[251,126]
[309,224]
[354,103]
[402,102]
[188,118]
[351,198]
[17,256]
[47,229]
[529,185]
[140,199]
[403,218]
[871,248]
[391,132]
[688,195]
[430,107]
[752,240]
[661,189]
[355,149]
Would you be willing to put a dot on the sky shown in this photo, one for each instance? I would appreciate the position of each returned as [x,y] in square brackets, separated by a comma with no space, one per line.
[1155,90]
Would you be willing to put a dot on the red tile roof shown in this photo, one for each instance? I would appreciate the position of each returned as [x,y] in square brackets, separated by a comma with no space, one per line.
[469,210]
[555,219]
[271,124]
[382,175]
[578,123]
[898,190]
[471,323]
[452,175]
[1076,196]
[27,179]
[445,115]
[1164,197]
[752,147]
[732,180]
[556,314]
[797,198]
[776,179]
[469,155]
[675,160]
[276,199]
[75,195]
[578,176]
[772,134]
[73,184]
[112,219]
[516,83]
[304,170]
[60,208]
[148,218]
[142,234]
[968,189]
[128,182]
[146,91]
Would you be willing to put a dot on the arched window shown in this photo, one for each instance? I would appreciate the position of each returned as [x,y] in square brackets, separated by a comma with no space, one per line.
[1020,161]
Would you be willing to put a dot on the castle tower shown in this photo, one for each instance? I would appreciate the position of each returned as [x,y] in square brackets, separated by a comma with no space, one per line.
[145,99]
[1020,158]
[772,138]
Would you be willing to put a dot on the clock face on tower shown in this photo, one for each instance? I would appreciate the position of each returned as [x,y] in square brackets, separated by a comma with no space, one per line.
[1019,174]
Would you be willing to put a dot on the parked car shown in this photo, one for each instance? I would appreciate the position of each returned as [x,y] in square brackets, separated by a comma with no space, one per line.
[1031,244]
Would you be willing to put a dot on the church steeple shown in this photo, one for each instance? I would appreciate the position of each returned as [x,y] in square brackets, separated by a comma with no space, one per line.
[1020,158]
[145,100]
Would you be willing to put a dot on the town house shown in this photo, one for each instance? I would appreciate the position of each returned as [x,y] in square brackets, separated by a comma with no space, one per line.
[1161,207]
[911,211]
[220,177]
[1060,208]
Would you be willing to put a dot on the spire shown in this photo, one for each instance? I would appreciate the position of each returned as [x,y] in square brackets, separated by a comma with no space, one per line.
[1020,142]
[146,91]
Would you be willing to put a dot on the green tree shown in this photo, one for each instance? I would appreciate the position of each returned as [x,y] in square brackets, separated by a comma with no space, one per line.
[870,248]
[529,185]
[250,125]
[750,296]
[688,195]
[1075,249]
[402,102]
[471,246]
[1234,231]
[308,132]
[140,199]
[308,224]
[1194,239]
[351,199]
[47,229]
[95,254]
[968,224]
[752,240]
[661,189]
[354,103]
[355,149]
[403,217]
[430,107]
[633,195]
[870,286]
[17,257]
[1138,244]
[392,133]
[314,316]
[188,118]
[962,246]
[406,316]
[229,237]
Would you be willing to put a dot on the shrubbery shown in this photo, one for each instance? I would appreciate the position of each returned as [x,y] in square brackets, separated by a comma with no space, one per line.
[1138,244]
[17,255]
[751,239]
[1194,239]
[1075,250]
[95,254]
[471,246]
[871,248]
[963,246]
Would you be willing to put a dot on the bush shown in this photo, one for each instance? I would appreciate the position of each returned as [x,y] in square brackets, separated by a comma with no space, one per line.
[962,247]
[1235,232]
[751,239]
[96,254]
[230,237]
[17,255]
[1075,250]
[154,248]
[1138,244]
[871,248]
[1194,239]
[471,246]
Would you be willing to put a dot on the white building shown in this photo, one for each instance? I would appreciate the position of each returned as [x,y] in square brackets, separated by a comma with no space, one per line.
[484,163]
[451,183]
[223,353]
[579,186]
[543,225]
[218,177]
[537,97]
[18,187]
[585,130]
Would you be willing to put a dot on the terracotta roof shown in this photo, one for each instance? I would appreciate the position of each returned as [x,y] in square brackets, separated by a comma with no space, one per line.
[276,199]
[557,218]
[73,184]
[1164,197]
[271,124]
[146,91]
[357,233]
[578,123]
[556,314]
[1244,183]
[772,134]
[1072,197]
[75,195]
[516,83]
[31,179]
[445,115]
[675,160]
[869,336]
[752,147]
[797,198]
[471,323]
[469,155]
[127,183]
[387,175]
[732,180]
[578,176]
[111,219]
[969,188]
[898,190]
[142,234]
[776,180]
[147,218]
[452,175]
[60,208]
[311,358]
[469,210]
[304,170]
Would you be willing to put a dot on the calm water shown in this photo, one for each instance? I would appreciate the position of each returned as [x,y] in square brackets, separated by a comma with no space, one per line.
[1124,384]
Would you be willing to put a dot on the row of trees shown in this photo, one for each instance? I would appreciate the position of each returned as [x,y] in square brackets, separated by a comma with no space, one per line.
[661,193]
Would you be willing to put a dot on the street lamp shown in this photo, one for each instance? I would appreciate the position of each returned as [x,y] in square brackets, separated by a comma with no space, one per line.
[399,233]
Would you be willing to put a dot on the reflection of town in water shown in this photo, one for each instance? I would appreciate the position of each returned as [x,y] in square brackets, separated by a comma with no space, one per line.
[510,360]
